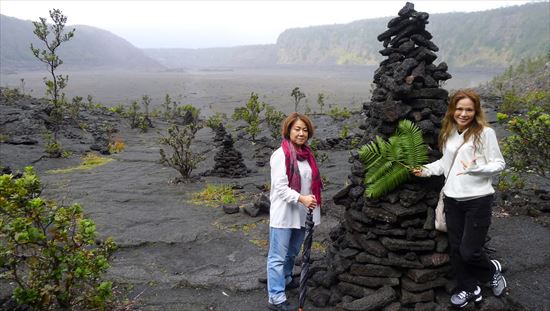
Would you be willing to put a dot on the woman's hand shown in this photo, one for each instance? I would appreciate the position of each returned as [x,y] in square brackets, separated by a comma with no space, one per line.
[308,201]
[417,171]
[467,165]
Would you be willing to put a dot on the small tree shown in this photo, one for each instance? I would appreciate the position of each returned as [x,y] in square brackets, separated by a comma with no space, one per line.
[50,251]
[51,59]
[146,122]
[179,139]
[167,105]
[321,101]
[251,115]
[298,96]
[133,114]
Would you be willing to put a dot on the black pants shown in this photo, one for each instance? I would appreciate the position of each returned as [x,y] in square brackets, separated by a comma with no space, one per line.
[467,226]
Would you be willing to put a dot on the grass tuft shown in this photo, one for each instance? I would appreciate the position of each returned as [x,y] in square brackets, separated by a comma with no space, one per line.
[89,161]
[214,195]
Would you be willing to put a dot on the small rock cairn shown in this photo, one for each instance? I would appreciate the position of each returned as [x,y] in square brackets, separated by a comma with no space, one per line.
[219,134]
[229,161]
[386,254]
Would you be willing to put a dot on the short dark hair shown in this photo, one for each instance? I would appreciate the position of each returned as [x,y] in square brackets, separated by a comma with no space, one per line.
[289,121]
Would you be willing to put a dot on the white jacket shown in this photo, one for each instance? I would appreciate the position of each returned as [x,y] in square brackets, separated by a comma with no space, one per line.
[475,181]
[286,211]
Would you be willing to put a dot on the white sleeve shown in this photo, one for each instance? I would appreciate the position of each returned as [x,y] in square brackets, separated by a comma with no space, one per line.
[279,180]
[434,168]
[493,157]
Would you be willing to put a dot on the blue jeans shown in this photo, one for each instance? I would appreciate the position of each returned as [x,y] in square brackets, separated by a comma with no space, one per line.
[284,245]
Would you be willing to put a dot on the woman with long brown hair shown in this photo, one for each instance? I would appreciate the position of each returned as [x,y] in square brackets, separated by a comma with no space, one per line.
[295,188]
[471,156]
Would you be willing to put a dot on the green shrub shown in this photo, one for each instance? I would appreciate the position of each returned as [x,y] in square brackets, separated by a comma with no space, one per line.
[216,120]
[339,114]
[53,146]
[50,251]
[119,109]
[274,119]
[526,149]
[9,95]
[195,112]
[183,158]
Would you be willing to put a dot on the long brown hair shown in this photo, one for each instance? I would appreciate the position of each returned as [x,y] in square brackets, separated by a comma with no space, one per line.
[474,129]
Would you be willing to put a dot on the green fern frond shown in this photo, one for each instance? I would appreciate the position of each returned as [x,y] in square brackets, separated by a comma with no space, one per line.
[397,175]
[378,171]
[415,152]
[388,162]
[369,153]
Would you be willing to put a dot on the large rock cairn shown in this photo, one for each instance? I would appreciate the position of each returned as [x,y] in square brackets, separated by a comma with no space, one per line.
[229,161]
[386,254]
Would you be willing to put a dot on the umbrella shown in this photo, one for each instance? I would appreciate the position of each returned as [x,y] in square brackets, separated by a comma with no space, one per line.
[305,258]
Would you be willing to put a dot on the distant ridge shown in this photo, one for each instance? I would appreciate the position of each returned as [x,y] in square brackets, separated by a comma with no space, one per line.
[91,48]
[492,38]
[495,38]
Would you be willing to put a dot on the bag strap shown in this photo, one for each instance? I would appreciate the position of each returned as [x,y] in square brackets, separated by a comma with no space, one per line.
[454,158]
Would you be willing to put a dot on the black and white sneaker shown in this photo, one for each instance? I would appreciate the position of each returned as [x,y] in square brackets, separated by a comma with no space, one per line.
[461,299]
[498,283]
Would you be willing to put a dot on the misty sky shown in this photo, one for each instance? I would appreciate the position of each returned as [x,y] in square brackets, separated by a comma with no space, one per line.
[194,24]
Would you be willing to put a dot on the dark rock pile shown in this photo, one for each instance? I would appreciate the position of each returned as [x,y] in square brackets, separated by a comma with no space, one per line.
[228,161]
[407,81]
[386,253]
[219,134]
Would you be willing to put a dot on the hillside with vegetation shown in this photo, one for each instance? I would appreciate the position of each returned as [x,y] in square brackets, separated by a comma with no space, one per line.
[493,38]
[91,48]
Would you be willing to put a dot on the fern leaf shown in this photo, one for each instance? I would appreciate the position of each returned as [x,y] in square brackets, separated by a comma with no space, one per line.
[397,175]
[369,153]
[414,150]
[388,162]
[378,171]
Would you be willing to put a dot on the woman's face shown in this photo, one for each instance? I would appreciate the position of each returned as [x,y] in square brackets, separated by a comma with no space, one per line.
[465,113]
[299,133]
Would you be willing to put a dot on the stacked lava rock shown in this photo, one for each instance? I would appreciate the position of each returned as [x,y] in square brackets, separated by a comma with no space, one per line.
[229,161]
[219,134]
[386,254]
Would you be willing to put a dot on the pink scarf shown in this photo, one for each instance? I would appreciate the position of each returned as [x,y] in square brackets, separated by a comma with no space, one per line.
[292,156]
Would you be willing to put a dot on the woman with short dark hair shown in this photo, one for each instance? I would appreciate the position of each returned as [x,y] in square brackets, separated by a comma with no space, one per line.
[295,188]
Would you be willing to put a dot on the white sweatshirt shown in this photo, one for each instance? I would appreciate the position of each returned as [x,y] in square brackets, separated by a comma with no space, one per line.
[286,211]
[475,181]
